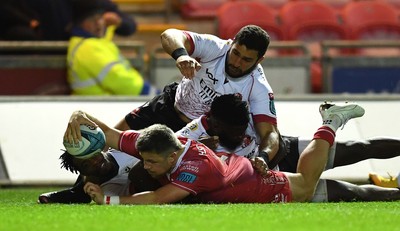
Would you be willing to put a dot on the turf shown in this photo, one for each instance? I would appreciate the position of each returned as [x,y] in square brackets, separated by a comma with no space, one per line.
[19,211]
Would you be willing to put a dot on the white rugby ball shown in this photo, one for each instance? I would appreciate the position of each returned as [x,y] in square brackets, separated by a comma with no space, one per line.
[93,141]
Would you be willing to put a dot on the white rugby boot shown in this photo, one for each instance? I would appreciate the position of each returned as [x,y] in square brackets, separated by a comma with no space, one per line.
[337,115]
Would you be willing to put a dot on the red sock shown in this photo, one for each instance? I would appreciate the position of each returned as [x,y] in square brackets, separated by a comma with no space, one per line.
[325,133]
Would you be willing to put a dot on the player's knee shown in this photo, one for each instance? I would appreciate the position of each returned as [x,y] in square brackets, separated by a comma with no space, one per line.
[305,195]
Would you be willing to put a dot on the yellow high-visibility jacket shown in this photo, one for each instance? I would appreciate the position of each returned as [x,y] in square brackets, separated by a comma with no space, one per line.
[97,67]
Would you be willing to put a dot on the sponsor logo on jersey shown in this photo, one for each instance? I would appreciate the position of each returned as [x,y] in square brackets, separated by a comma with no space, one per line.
[186,177]
[193,126]
[211,76]
[185,132]
[272,103]
[190,166]
[207,93]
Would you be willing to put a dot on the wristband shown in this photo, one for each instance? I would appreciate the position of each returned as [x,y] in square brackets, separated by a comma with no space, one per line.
[178,53]
[264,155]
[111,200]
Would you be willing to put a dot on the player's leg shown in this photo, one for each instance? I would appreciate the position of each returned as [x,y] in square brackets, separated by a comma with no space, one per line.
[387,182]
[345,191]
[351,152]
[289,162]
[313,159]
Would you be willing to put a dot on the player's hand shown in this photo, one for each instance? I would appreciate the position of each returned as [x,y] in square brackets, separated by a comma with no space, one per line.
[188,66]
[73,131]
[260,166]
[95,192]
[211,142]
[112,18]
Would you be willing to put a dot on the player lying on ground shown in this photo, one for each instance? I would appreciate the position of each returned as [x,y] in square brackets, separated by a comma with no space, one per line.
[230,130]
[109,169]
[185,167]
[221,129]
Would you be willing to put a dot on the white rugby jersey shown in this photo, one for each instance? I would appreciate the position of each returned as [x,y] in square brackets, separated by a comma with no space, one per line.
[194,97]
[119,185]
[196,130]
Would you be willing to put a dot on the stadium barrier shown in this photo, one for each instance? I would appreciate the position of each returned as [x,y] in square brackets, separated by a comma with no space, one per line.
[361,66]
[32,128]
[40,67]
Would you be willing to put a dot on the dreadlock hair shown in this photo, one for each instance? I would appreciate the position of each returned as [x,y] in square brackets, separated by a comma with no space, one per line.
[254,38]
[230,109]
[67,162]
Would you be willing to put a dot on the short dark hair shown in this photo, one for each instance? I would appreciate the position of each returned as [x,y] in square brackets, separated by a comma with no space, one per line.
[159,139]
[231,109]
[67,162]
[254,38]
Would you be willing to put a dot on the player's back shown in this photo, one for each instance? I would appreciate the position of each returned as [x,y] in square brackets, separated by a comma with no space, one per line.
[244,185]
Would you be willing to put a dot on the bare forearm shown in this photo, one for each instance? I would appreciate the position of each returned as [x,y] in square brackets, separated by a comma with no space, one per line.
[141,199]
[270,144]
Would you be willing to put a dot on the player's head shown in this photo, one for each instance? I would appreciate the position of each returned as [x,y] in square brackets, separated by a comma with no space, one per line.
[88,15]
[158,146]
[247,51]
[99,165]
[229,117]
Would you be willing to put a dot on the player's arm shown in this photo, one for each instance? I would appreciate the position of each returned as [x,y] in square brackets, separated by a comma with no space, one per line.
[176,43]
[73,132]
[164,195]
[269,140]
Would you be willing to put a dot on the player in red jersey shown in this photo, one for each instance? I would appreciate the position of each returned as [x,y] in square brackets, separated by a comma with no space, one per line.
[185,167]
[222,129]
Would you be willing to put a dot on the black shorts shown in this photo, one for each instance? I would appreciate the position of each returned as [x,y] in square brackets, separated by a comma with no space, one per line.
[289,162]
[159,110]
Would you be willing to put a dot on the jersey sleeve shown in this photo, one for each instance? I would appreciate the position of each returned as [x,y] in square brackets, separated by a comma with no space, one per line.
[206,47]
[127,143]
[262,104]
[193,130]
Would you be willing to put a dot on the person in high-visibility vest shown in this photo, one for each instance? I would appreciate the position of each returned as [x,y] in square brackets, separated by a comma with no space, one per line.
[95,63]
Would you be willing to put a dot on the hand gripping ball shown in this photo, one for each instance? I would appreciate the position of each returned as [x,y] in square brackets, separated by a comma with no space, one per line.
[93,141]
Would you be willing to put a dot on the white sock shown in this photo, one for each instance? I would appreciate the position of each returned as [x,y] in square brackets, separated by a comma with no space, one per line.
[333,122]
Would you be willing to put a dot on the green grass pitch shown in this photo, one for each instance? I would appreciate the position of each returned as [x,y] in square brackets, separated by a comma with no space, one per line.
[19,211]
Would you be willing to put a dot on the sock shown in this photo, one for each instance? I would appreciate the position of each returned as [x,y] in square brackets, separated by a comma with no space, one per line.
[398,180]
[333,122]
[325,133]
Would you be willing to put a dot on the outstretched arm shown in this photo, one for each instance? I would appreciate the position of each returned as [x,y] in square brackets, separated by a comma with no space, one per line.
[164,195]
[73,132]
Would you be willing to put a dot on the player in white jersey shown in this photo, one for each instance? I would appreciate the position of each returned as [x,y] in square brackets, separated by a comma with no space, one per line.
[211,67]
[225,122]
[110,169]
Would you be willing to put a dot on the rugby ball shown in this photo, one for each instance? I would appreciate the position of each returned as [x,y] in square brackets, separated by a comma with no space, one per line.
[93,141]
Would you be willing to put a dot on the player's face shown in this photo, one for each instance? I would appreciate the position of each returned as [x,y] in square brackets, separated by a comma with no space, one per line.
[241,61]
[95,25]
[230,137]
[98,165]
[157,165]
